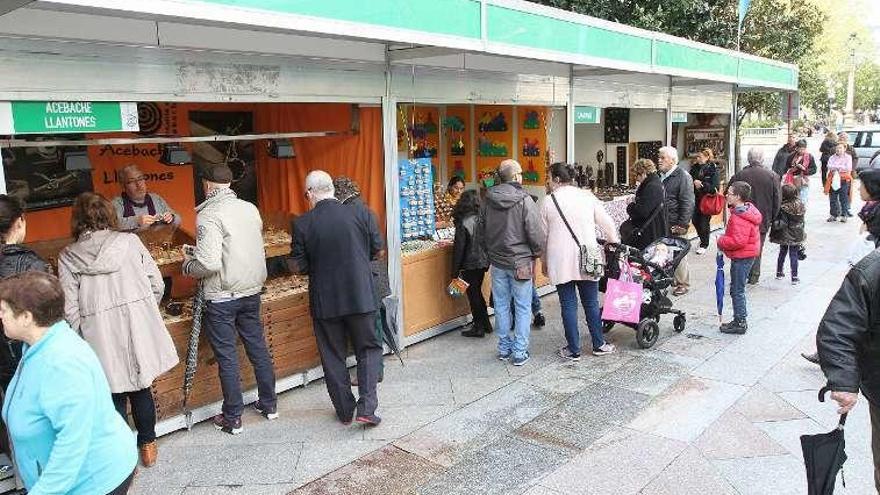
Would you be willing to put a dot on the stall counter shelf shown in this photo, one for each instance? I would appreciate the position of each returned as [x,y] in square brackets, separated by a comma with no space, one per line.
[427,267]
[288,329]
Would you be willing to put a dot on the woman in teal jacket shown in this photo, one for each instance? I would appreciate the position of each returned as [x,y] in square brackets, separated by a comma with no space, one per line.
[66,435]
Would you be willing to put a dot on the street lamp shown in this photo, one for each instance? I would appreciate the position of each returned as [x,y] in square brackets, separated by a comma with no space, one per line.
[849,117]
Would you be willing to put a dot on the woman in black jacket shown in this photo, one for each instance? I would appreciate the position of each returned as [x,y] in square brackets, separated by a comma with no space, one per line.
[706,181]
[870,193]
[647,214]
[827,148]
[14,259]
[469,259]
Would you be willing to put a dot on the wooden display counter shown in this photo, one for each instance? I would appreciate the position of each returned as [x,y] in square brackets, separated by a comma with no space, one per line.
[288,328]
[426,304]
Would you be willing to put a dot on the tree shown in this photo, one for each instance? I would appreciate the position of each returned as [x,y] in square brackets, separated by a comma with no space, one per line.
[783,30]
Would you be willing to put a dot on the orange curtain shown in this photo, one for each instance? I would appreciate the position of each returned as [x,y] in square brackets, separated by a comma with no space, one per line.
[360,156]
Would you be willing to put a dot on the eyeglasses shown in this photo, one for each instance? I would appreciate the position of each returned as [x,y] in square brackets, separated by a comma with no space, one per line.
[134,180]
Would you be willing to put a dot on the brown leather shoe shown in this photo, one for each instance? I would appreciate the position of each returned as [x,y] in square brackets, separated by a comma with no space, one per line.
[149,453]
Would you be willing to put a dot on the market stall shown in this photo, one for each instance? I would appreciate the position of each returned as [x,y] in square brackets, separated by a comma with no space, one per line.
[335,137]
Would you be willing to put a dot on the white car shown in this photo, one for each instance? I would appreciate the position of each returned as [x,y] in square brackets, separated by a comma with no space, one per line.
[867,145]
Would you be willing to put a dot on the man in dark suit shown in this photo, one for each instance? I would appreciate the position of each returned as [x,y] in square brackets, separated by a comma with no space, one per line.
[333,244]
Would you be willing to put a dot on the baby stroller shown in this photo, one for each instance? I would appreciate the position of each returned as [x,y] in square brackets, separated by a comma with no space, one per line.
[653,268]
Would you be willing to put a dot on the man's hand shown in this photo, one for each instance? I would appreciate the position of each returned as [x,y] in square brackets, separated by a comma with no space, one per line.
[846,401]
[678,230]
[146,220]
[167,217]
[698,184]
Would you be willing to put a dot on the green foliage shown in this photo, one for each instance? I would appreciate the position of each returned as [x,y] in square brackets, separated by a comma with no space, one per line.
[761,123]
[783,30]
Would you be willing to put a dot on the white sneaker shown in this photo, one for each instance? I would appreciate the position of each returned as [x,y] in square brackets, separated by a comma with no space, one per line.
[604,350]
[701,250]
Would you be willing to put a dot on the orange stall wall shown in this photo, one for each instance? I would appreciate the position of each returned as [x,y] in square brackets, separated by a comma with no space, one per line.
[359,156]
[281,182]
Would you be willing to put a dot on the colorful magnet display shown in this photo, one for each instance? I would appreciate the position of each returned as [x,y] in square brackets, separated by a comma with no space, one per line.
[416,199]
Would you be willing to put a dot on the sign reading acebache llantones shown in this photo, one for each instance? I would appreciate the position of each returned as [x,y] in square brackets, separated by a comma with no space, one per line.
[63,117]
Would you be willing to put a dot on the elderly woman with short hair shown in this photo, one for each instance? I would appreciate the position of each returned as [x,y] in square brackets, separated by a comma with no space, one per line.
[66,435]
[647,215]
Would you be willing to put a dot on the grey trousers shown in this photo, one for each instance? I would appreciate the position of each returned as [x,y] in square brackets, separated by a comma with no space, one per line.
[755,274]
[333,335]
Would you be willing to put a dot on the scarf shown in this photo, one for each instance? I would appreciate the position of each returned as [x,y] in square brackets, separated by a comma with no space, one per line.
[869,212]
[128,205]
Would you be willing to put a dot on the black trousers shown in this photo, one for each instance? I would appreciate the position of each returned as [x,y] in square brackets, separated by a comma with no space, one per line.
[122,489]
[333,335]
[143,412]
[755,273]
[701,223]
[474,278]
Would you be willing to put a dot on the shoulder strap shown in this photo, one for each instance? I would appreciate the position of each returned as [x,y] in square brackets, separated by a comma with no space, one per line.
[564,220]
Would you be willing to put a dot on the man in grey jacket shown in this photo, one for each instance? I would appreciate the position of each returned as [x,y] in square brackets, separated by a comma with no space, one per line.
[513,236]
[680,202]
[230,261]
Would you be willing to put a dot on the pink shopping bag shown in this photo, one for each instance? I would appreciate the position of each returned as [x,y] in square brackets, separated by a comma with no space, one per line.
[623,299]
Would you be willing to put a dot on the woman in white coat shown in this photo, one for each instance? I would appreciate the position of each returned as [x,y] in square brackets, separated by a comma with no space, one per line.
[561,260]
[112,288]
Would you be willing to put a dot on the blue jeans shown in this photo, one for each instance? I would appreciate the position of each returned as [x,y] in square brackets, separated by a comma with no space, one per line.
[589,292]
[536,303]
[840,200]
[240,318]
[506,289]
[739,274]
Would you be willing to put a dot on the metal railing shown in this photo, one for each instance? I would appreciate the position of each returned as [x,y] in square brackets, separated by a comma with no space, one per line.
[761,131]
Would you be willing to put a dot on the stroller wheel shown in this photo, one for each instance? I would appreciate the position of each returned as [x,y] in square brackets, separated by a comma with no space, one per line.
[647,333]
[607,326]
[678,323]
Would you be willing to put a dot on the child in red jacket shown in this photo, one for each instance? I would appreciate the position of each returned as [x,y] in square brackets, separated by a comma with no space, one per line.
[741,243]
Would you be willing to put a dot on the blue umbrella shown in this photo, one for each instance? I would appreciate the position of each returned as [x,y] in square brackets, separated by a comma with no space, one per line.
[719,284]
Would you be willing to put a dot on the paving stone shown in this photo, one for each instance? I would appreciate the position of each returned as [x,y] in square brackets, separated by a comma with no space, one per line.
[685,410]
[280,489]
[689,474]
[759,404]
[467,389]
[400,393]
[477,424]
[242,464]
[540,490]
[645,375]
[507,466]
[320,458]
[598,403]
[733,436]
[794,373]
[403,420]
[622,462]
[569,438]
[385,471]
[778,475]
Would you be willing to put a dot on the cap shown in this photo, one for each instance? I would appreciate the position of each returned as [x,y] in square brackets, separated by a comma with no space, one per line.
[218,174]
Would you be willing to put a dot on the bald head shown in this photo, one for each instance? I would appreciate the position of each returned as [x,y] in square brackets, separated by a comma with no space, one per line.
[319,186]
[756,157]
[510,171]
[134,183]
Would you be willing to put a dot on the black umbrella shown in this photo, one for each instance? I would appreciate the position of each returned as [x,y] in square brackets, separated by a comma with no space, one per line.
[389,325]
[824,456]
[192,352]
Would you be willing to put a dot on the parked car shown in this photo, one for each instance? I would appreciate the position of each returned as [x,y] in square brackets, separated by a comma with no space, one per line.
[866,142]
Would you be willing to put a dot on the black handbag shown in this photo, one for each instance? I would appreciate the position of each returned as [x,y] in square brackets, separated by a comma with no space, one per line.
[801,252]
[630,234]
[590,261]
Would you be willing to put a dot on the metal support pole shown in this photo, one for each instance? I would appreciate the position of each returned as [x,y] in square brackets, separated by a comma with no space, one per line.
[733,151]
[392,196]
[2,173]
[569,119]
[669,116]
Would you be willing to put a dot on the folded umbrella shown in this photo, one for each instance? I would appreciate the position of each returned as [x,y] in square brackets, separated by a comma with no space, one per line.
[389,325]
[824,456]
[719,284]
[192,352]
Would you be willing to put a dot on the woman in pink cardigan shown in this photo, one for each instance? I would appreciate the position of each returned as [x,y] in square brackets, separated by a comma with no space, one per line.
[583,212]
[840,164]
